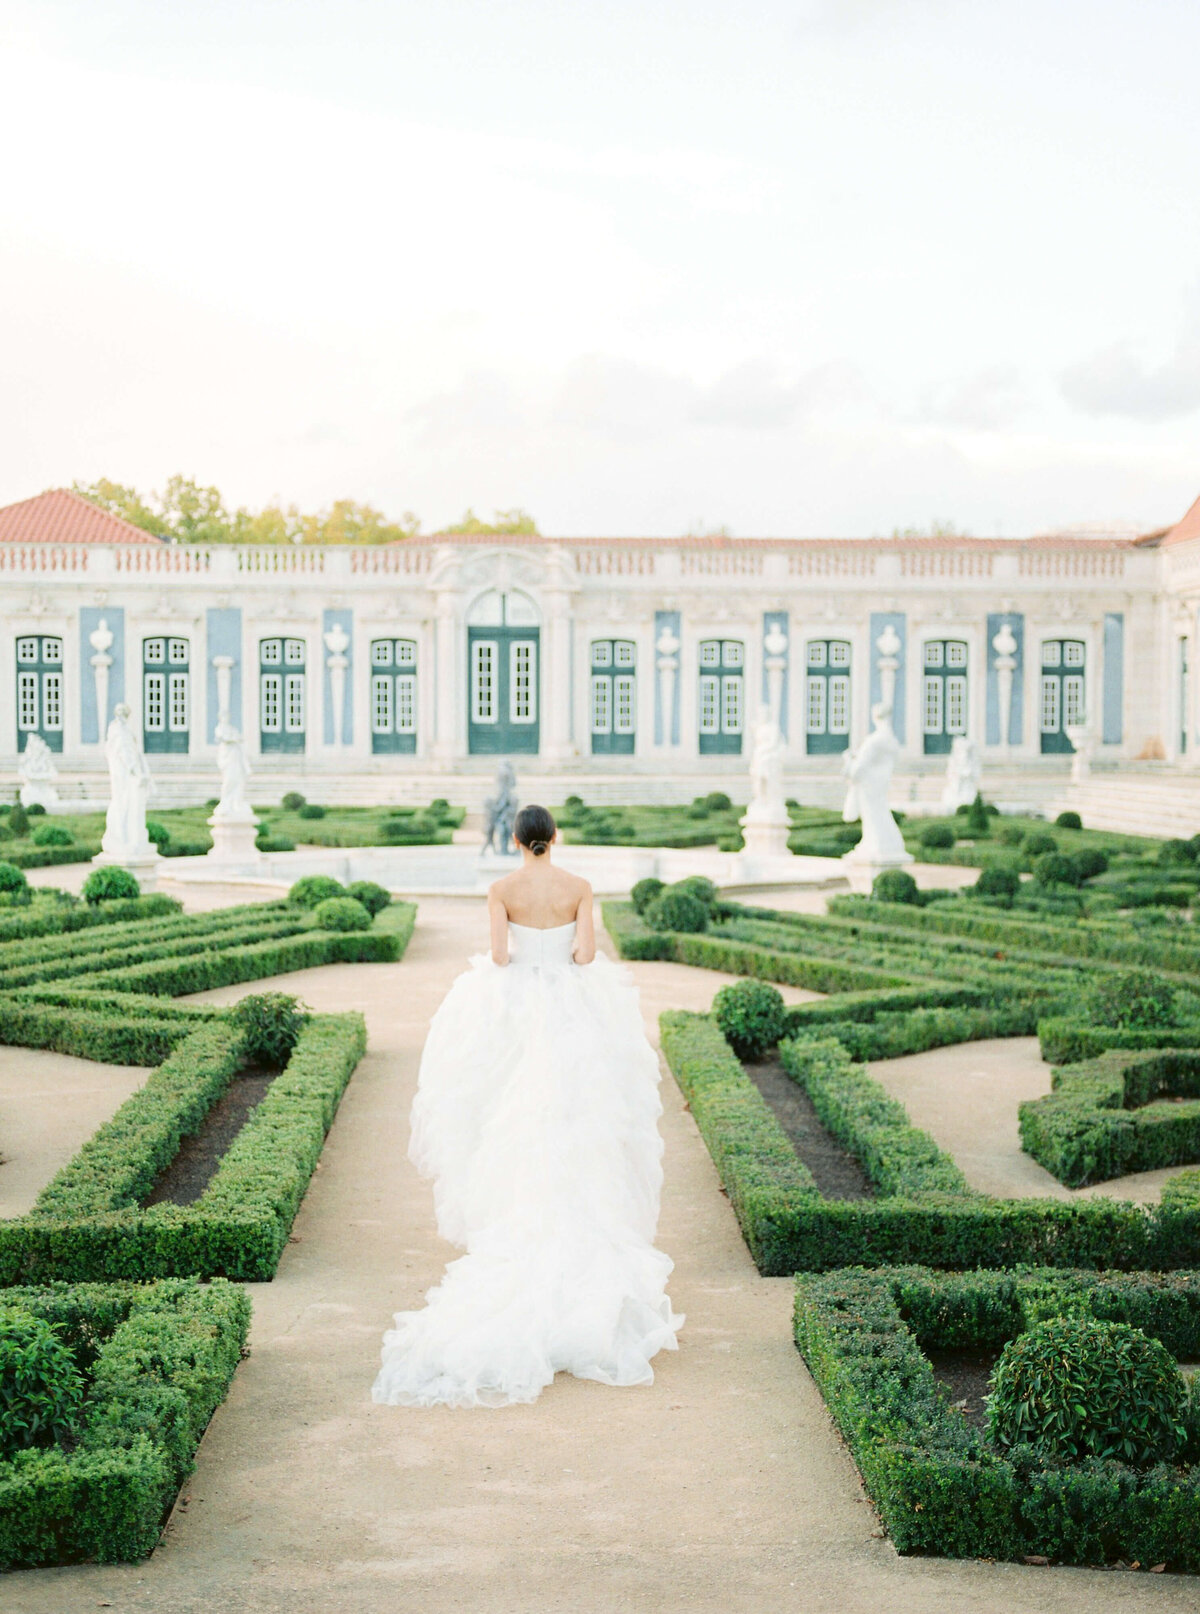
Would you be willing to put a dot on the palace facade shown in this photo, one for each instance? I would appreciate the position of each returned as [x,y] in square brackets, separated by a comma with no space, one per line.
[623,669]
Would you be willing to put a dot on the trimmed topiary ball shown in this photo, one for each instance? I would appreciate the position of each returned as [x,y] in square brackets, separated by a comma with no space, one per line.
[1012,834]
[41,1389]
[13,882]
[718,802]
[311,809]
[374,898]
[341,913]
[1069,820]
[937,836]
[644,893]
[1037,842]
[158,833]
[293,801]
[110,884]
[1052,868]
[1090,862]
[895,885]
[314,888]
[1175,852]
[272,1021]
[674,909]
[54,835]
[997,882]
[1137,999]
[18,820]
[702,889]
[1078,1388]
[751,1015]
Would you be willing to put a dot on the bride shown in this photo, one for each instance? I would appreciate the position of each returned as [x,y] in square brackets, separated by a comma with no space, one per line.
[536,1116]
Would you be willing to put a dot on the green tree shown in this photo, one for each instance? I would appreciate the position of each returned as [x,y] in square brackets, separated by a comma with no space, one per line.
[507,524]
[194,515]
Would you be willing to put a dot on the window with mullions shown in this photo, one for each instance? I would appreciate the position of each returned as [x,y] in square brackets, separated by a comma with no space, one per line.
[394,695]
[282,694]
[1062,703]
[166,694]
[613,693]
[827,696]
[722,695]
[943,694]
[40,689]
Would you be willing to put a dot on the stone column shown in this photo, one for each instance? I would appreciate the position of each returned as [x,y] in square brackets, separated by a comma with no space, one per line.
[556,677]
[889,646]
[337,642]
[101,641]
[1005,645]
[445,745]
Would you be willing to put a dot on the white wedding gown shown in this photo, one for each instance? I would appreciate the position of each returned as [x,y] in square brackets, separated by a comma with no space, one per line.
[536,1116]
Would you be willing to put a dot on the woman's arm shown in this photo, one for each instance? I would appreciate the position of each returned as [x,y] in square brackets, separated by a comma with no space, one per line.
[498,920]
[585,929]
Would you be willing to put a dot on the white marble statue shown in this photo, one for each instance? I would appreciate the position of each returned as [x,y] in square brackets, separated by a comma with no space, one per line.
[964,772]
[869,771]
[130,784]
[37,773]
[766,770]
[235,775]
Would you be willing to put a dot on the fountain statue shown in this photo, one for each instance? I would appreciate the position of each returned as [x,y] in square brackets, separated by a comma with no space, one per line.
[37,773]
[766,821]
[964,771]
[125,841]
[500,812]
[233,823]
[869,772]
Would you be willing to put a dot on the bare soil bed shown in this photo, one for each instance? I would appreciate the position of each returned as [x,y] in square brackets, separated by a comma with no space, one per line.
[838,1174]
[191,1171]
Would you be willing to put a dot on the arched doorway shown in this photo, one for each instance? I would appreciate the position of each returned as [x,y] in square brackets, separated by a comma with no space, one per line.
[503,675]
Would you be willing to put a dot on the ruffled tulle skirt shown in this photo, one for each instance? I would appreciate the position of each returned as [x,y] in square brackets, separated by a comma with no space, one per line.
[536,1116]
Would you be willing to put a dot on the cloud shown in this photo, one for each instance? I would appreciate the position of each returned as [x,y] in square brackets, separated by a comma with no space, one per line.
[982,401]
[1115,381]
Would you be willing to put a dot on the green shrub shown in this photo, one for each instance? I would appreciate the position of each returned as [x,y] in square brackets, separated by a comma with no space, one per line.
[698,809]
[644,893]
[677,910]
[751,1015]
[1076,1387]
[1052,868]
[1068,820]
[718,802]
[895,885]
[315,888]
[311,809]
[977,818]
[697,886]
[1090,862]
[1038,842]
[18,820]
[36,810]
[271,1021]
[52,835]
[937,836]
[273,843]
[998,881]
[1176,851]
[110,883]
[374,898]
[1134,998]
[13,882]
[156,832]
[293,801]
[1012,834]
[41,1389]
[341,913]
[441,808]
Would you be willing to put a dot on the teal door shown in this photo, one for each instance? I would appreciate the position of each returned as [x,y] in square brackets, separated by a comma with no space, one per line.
[944,694]
[613,694]
[165,694]
[40,690]
[722,695]
[393,696]
[502,674]
[281,694]
[1063,692]
[827,696]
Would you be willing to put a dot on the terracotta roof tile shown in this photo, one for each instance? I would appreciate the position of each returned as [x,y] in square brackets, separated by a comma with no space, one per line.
[1186,530]
[63,517]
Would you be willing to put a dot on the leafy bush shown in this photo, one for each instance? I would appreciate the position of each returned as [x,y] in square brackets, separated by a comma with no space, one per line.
[697,886]
[36,809]
[314,888]
[341,913]
[1076,1387]
[273,843]
[718,802]
[895,885]
[53,835]
[1069,820]
[698,809]
[1052,868]
[937,835]
[1037,843]
[13,882]
[109,883]
[752,1016]
[293,801]
[1176,851]
[441,808]
[1134,998]
[677,910]
[998,881]
[156,832]
[374,898]
[1012,834]
[311,809]
[1090,862]
[977,818]
[41,1389]
[18,820]
[644,893]
[272,1021]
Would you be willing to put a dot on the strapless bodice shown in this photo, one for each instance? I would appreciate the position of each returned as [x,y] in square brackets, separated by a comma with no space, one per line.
[531,948]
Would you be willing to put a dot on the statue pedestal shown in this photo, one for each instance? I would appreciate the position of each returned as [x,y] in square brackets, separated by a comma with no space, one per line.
[861,869]
[143,868]
[39,793]
[766,834]
[233,840]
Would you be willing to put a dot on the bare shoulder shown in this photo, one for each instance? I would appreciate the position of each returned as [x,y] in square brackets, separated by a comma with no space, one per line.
[499,889]
[575,885]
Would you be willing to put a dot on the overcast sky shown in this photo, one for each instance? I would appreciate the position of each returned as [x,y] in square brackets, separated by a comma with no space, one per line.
[819,267]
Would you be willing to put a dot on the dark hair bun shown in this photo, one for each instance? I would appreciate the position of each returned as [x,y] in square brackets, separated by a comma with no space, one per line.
[534,828]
